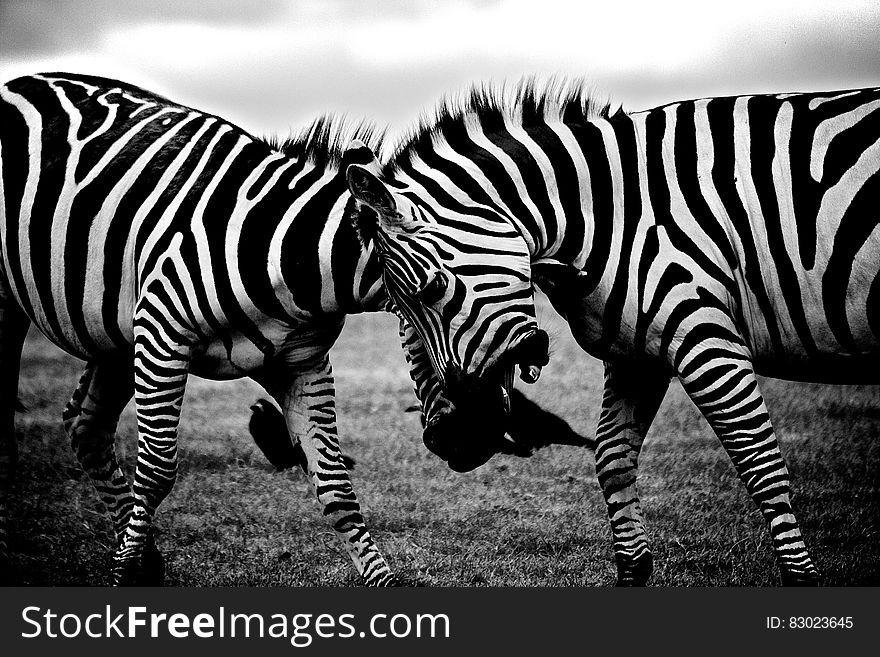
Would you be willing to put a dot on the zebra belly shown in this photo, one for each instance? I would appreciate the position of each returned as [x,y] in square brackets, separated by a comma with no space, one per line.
[68,343]
[834,341]
[796,364]
[68,340]
[223,359]
[823,368]
[290,349]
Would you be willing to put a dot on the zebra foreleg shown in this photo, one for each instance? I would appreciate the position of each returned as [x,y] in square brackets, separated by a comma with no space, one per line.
[90,419]
[160,374]
[13,328]
[309,406]
[726,392]
[633,394]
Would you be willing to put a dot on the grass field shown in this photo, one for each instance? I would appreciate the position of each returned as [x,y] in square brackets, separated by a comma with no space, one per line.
[541,521]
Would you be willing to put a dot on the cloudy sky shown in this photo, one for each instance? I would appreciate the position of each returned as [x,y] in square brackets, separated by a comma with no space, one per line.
[272,65]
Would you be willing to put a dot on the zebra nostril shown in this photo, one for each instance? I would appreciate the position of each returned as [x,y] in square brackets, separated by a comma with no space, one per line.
[529,373]
[534,349]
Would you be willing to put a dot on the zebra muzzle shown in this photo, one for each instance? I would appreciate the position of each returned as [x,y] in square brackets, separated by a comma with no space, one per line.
[529,373]
[531,353]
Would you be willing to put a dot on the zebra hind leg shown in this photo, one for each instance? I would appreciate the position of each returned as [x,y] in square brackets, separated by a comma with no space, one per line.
[13,328]
[726,392]
[631,399]
[90,420]
[310,412]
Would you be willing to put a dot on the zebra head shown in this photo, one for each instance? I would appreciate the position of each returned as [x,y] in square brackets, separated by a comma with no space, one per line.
[465,286]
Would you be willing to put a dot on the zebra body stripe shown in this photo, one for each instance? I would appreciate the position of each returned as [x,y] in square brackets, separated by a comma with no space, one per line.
[153,241]
[709,240]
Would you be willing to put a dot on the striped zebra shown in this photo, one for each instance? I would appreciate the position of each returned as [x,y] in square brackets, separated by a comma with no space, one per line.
[708,240]
[486,297]
[154,241]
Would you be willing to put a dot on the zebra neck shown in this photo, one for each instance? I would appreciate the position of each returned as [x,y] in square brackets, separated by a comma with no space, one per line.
[316,263]
[571,190]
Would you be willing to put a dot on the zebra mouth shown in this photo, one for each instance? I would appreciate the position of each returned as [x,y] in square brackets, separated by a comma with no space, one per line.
[530,373]
[463,438]
[475,426]
[530,353]
[527,373]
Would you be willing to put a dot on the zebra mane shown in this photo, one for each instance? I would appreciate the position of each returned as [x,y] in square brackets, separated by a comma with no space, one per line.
[324,141]
[528,102]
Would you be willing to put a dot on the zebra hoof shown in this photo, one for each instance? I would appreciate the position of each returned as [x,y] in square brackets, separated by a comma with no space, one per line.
[635,572]
[801,578]
[124,572]
[8,575]
[385,581]
[153,567]
[147,571]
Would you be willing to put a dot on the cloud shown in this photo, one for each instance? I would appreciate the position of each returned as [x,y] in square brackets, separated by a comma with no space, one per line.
[42,27]
[270,65]
[819,53]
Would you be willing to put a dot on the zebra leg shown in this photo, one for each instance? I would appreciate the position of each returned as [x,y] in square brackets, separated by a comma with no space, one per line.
[309,406]
[90,419]
[727,394]
[633,394]
[13,328]
[160,373]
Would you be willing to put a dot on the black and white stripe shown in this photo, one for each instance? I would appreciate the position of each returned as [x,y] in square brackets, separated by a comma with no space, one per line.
[462,280]
[708,240]
[153,240]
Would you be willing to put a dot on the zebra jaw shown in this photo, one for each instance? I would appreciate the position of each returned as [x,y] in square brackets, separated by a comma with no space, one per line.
[527,373]
[506,386]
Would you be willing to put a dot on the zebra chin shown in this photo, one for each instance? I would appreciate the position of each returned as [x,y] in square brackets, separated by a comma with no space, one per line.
[474,427]
[465,438]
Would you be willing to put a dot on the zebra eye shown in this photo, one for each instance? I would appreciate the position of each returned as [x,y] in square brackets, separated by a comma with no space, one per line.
[433,290]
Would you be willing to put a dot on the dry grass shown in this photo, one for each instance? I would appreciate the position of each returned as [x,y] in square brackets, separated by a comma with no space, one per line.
[527,522]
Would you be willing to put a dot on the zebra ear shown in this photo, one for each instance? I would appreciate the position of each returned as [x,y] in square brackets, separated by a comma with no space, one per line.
[375,207]
[370,202]
[366,187]
[357,152]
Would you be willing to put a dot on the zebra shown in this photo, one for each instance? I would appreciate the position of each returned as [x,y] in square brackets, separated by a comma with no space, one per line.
[709,240]
[152,241]
[492,333]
